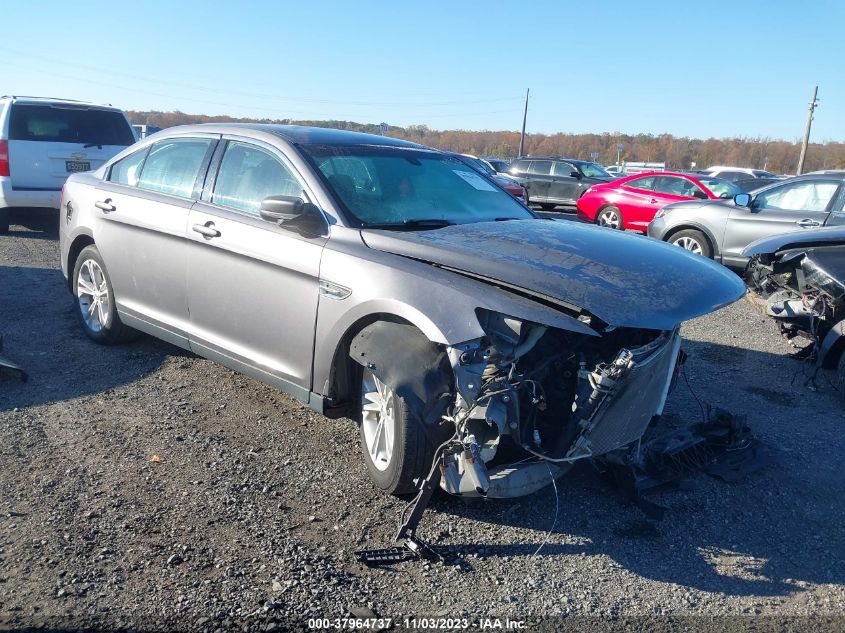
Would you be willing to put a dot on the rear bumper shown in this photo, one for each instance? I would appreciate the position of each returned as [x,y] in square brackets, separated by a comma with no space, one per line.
[37,198]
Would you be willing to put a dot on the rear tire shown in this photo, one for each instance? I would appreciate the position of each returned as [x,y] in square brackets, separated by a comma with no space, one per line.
[611,217]
[396,449]
[693,241]
[94,300]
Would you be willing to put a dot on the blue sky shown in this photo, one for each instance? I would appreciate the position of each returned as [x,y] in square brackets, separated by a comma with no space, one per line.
[701,69]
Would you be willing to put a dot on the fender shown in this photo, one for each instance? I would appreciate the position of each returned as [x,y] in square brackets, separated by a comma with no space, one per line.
[402,357]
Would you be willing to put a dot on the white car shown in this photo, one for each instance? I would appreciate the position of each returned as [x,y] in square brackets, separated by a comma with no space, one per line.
[735,174]
[43,141]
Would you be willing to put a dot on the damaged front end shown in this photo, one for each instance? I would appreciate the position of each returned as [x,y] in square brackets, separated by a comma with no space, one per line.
[532,400]
[520,405]
[803,289]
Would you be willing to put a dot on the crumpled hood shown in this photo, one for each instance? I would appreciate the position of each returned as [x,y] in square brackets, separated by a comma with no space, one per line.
[625,280]
[827,236]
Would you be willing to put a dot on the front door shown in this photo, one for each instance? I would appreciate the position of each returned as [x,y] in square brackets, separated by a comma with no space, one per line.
[792,206]
[564,185]
[252,285]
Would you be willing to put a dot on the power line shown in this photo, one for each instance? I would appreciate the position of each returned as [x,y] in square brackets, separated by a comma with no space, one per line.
[258,95]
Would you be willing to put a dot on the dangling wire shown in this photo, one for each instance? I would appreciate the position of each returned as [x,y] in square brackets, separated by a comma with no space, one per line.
[557,508]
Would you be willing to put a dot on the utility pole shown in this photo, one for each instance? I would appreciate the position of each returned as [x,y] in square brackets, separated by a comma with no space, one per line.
[524,117]
[813,105]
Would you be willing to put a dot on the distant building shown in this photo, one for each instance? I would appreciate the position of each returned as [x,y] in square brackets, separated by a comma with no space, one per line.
[144,131]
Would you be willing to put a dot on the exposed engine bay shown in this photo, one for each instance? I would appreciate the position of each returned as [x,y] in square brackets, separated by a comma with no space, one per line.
[533,399]
[518,406]
[803,289]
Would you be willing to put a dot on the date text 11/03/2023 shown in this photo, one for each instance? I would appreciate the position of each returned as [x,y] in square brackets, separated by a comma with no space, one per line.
[416,623]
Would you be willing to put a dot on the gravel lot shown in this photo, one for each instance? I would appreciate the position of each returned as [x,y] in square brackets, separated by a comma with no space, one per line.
[251,520]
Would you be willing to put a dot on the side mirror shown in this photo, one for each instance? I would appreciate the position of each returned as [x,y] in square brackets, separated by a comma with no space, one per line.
[698,193]
[742,200]
[295,214]
[575,174]
[281,208]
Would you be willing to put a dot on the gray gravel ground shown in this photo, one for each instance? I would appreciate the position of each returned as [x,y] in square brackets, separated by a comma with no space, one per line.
[251,520]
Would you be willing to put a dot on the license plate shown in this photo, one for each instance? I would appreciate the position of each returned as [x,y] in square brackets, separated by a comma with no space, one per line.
[77,165]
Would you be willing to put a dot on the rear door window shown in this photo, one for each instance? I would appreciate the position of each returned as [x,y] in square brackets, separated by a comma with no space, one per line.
[248,174]
[641,183]
[677,186]
[69,124]
[519,166]
[540,167]
[172,166]
[127,170]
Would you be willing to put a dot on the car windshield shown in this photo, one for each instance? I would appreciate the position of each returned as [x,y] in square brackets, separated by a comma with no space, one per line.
[721,188]
[404,186]
[476,163]
[591,170]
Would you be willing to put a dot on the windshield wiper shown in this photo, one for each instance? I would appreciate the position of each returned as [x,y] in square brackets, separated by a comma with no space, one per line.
[97,145]
[412,224]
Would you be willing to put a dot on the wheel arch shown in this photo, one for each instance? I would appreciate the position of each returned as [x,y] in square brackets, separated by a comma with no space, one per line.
[692,226]
[79,243]
[340,386]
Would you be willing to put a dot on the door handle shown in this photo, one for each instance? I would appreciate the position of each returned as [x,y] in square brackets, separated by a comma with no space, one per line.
[206,230]
[653,201]
[105,205]
[807,222]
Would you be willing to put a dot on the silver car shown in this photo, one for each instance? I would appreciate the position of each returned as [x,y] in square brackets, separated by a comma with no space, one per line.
[381,280]
[721,229]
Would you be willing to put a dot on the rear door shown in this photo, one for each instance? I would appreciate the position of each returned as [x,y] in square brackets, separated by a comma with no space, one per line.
[537,180]
[253,286]
[47,142]
[791,206]
[142,217]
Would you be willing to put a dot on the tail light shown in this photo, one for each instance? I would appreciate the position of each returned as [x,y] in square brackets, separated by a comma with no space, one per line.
[4,158]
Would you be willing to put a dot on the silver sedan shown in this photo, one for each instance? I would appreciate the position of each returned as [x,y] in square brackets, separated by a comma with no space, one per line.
[385,281]
[721,229]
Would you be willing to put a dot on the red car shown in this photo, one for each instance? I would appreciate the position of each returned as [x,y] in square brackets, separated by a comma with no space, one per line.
[632,201]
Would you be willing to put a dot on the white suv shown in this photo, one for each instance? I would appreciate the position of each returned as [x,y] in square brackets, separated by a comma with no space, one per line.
[43,141]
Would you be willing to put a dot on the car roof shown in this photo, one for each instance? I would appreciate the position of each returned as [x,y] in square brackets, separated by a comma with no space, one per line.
[299,134]
[54,101]
[563,158]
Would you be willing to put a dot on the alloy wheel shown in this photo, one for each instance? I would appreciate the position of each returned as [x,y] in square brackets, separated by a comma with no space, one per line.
[689,244]
[610,218]
[378,410]
[93,295]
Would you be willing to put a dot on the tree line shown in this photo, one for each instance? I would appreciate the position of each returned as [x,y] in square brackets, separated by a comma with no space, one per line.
[777,156]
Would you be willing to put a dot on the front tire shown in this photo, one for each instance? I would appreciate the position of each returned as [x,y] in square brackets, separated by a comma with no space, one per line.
[611,217]
[94,300]
[396,450]
[693,241]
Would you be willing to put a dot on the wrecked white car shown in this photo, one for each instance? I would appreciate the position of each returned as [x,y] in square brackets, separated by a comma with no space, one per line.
[382,280]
